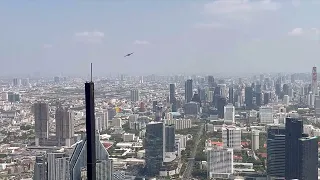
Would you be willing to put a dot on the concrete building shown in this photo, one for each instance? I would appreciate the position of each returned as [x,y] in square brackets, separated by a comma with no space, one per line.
[219,163]
[62,168]
[128,137]
[101,120]
[134,95]
[276,152]
[169,138]
[52,164]
[255,140]
[64,126]
[40,168]
[41,118]
[179,123]
[266,115]
[231,137]
[188,90]
[229,113]
[154,147]
[192,108]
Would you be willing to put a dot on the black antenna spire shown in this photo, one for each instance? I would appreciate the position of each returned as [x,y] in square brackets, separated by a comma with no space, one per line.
[91,73]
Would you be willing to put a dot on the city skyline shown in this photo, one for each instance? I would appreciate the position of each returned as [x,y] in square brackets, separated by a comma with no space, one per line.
[167,37]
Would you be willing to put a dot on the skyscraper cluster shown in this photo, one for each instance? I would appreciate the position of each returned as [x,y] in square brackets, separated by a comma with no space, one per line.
[64,125]
[160,149]
[291,153]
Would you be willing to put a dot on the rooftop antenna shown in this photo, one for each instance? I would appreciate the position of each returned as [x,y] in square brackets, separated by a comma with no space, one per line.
[91,72]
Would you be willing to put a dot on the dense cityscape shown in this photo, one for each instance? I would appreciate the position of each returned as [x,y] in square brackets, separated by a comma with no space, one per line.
[160,90]
[162,127]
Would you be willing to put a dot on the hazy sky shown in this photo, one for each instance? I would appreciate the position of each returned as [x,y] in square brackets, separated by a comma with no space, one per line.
[167,36]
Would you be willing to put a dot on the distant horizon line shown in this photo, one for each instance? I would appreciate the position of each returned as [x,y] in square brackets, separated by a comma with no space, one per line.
[113,74]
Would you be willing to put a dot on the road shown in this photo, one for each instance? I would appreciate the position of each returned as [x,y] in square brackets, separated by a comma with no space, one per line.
[187,172]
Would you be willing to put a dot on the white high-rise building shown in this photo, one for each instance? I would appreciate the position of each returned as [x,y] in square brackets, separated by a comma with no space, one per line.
[219,162]
[282,115]
[101,121]
[266,115]
[179,123]
[255,140]
[231,137]
[229,112]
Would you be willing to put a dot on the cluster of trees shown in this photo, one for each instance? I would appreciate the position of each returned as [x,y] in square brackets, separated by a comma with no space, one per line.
[193,131]
[26,127]
[258,164]
[201,156]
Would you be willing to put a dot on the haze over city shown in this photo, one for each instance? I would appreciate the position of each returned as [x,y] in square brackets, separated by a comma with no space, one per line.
[159,89]
[222,36]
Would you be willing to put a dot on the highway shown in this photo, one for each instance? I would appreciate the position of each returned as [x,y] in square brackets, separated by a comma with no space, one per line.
[187,172]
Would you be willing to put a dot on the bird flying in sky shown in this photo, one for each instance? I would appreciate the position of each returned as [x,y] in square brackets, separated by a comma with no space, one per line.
[129,54]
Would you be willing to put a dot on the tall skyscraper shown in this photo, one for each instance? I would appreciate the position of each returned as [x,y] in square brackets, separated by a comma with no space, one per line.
[154,106]
[51,161]
[90,130]
[249,97]
[41,118]
[231,95]
[40,168]
[221,102]
[276,158]
[294,130]
[134,95]
[210,81]
[258,99]
[78,160]
[217,91]
[202,94]
[188,90]
[266,98]
[170,138]
[16,82]
[172,95]
[64,126]
[154,147]
[314,82]
[301,152]
[308,158]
